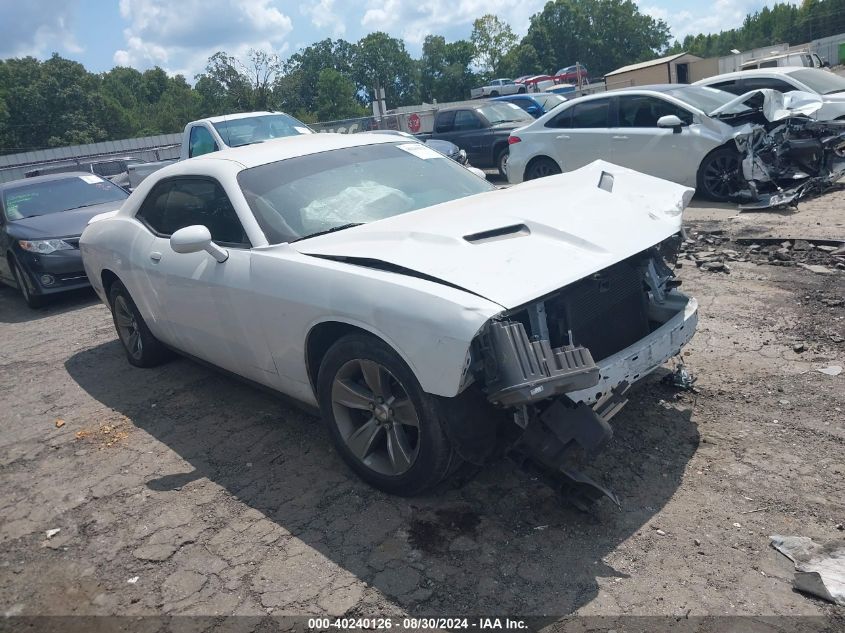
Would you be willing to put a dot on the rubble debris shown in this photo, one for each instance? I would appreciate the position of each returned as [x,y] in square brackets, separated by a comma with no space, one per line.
[833,370]
[819,569]
[133,580]
[815,268]
[798,348]
[59,423]
[52,532]
[681,378]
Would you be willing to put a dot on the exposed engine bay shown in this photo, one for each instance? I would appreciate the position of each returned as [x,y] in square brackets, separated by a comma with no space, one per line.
[562,364]
[786,153]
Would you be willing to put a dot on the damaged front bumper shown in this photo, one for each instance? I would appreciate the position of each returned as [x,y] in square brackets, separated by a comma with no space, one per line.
[560,397]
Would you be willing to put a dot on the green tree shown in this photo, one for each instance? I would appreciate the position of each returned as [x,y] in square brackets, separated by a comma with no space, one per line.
[492,39]
[381,60]
[603,34]
[336,97]
[445,73]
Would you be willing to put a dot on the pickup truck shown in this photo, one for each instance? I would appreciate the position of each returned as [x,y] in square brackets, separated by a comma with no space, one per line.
[497,87]
[221,132]
[481,130]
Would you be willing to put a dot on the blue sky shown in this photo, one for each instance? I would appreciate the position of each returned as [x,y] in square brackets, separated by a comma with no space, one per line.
[179,35]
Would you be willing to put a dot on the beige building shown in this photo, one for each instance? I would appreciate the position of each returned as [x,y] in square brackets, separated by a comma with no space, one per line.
[674,69]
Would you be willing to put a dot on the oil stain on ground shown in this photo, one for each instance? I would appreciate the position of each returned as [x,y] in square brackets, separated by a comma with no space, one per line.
[431,532]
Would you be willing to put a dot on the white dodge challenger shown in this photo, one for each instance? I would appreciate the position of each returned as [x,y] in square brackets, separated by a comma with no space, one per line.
[421,309]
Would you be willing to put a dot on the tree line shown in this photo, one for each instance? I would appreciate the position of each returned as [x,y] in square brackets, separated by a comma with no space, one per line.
[812,19]
[58,102]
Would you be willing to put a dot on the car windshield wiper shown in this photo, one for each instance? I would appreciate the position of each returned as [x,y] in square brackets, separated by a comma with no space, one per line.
[331,230]
[82,206]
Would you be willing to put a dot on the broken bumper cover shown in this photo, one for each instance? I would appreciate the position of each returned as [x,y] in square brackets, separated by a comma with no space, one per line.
[643,357]
[528,371]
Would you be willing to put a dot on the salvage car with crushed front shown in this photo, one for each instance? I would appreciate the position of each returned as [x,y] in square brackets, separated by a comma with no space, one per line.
[415,304]
[762,148]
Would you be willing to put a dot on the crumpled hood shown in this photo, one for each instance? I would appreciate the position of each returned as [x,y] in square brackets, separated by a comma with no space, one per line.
[514,245]
[62,224]
[776,105]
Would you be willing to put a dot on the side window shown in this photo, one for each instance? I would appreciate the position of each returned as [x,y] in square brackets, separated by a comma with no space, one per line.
[644,111]
[466,120]
[445,121]
[755,83]
[562,120]
[201,142]
[178,203]
[591,114]
[729,86]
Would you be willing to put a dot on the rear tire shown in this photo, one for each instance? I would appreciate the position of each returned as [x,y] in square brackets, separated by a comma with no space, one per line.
[495,93]
[540,168]
[718,175]
[141,347]
[385,427]
[32,300]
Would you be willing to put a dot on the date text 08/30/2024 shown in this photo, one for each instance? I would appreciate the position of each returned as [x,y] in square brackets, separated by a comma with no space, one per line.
[479,623]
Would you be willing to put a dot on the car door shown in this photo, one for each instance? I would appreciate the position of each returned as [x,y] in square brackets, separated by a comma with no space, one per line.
[637,142]
[206,305]
[467,133]
[579,134]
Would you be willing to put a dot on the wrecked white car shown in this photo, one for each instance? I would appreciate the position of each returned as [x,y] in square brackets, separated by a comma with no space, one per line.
[411,301]
[786,152]
[691,135]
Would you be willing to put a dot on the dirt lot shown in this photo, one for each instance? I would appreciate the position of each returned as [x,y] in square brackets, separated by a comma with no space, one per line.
[178,490]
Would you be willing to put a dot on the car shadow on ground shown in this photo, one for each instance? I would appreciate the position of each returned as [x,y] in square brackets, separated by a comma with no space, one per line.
[499,543]
[13,308]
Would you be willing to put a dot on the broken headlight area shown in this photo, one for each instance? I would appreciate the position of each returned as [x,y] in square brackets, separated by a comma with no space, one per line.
[555,365]
[793,159]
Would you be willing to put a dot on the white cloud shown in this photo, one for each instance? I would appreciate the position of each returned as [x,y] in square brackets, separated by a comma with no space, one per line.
[324,17]
[37,28]
[721,15]
[414,20]
[180,36]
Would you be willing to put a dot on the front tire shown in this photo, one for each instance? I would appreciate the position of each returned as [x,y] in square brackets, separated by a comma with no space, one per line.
[385,427]
[141,347]
[32,300]
[718,176]
[502,163]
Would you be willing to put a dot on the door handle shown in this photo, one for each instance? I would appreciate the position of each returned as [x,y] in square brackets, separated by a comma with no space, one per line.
[619,138]
[155,256]
[559,136]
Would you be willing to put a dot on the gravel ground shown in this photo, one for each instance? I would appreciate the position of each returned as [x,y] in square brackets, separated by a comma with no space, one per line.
[179,490]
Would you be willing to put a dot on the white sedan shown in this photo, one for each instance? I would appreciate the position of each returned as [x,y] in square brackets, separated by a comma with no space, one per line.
[664,130]
[412,302]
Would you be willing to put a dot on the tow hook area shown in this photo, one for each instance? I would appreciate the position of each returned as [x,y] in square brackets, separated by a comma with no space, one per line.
[549,445]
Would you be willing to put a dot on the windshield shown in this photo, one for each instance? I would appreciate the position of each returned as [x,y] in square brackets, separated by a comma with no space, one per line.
[497,113]
[255,129]
[300,197]
[62,194]
[549,101]
[821,81]
[705,99]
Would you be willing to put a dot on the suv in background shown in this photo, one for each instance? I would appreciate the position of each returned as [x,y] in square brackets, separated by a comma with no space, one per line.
[796,58]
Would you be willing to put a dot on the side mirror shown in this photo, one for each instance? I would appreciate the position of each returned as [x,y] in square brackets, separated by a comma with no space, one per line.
[196,238]
[672,121]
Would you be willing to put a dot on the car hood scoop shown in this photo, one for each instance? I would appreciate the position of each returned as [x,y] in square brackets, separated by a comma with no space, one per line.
[514,245]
